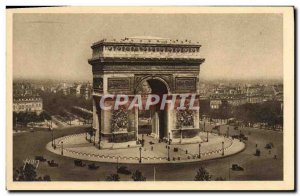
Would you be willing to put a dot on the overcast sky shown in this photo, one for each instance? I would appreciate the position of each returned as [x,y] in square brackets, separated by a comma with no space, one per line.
[235,46]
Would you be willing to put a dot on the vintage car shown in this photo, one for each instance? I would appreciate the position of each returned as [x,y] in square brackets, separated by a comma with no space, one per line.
[40,158]
[236,167]
[243,137]
[52,163]
[79,163]
[240,136]
[257,152]
[123,170]
[93,166]
[269,146]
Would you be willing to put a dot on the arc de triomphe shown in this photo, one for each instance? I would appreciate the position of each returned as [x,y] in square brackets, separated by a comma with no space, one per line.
[141,65]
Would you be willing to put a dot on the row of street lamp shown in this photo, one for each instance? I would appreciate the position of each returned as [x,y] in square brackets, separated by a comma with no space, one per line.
[53,140]
[168,147]
[140,149]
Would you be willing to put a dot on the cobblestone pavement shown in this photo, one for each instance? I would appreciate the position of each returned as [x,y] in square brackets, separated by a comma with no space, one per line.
[76,146]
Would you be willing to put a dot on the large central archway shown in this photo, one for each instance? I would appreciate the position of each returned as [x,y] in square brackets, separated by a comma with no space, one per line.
[121,67]
[154,120]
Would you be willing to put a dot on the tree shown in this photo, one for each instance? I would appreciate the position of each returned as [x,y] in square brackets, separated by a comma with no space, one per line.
[220,178]
[138,176]
[267,112]
[202,175]
[46,178]
[54,103]
[113,177]
[25,173]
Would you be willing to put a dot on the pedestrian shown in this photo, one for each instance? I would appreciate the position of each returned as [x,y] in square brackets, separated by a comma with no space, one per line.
[186,151]
[151,148]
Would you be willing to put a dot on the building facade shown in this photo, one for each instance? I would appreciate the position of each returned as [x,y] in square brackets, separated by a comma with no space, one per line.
[28,104]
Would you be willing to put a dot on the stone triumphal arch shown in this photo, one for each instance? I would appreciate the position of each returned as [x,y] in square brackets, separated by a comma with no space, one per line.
[145,65]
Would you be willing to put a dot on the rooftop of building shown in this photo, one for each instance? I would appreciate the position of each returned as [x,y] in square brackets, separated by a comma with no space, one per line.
[147,40]
[27,98]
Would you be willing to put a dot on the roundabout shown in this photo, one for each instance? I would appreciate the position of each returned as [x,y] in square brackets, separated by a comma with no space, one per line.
[77,146]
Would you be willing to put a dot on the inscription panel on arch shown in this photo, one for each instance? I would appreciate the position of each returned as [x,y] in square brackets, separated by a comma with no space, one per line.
[186,84]
[118,84]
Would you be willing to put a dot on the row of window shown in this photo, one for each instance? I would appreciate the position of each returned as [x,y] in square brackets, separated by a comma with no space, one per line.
[25,106]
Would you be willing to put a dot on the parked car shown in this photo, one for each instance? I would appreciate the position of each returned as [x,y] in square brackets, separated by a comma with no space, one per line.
[243,137]
[93,166]
[257,152]
[269,146]
[40,158]
[52,163]
[79,163]
[236,167]
[123,170]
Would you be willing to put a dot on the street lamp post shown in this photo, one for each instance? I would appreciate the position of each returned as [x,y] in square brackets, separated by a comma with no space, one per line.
[168,153]
[229,172]
[94,131]
[140,161]
[91,132]
[52,137]
[62,148]
[199,156]
[99,142]
[240,135]
[117,163]
[223,148]
[180,135]
[228,131]
[99,117]
[206,133]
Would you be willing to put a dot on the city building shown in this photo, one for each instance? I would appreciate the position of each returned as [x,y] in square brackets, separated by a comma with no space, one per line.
[75,90]
[28,104]
[215,103]
[86,90]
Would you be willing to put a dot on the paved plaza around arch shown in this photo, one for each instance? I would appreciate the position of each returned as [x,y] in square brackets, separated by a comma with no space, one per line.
[77,146]
[27,145]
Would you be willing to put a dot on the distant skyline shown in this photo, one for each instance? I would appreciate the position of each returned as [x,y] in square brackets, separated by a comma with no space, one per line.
[235,46]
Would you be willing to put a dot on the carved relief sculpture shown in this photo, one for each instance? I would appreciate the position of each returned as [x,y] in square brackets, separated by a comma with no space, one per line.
[119,121]
[184,118]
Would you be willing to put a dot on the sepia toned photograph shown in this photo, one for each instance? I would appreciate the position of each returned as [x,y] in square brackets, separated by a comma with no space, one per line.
[141,98]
